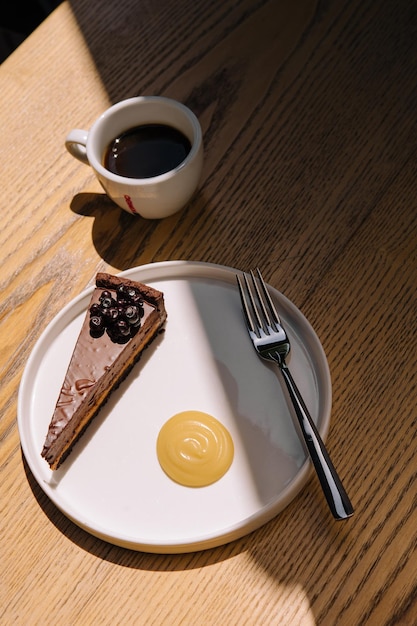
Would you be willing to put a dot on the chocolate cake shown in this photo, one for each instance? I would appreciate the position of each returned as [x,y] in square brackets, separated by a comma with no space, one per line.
[123,317]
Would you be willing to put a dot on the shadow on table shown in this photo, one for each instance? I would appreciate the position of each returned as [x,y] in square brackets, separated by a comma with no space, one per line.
[123,556]
[128,45]
[118,237]
[257,544]
[122,239]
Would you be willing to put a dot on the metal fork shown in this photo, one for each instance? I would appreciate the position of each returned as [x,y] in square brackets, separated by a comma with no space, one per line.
[271,343]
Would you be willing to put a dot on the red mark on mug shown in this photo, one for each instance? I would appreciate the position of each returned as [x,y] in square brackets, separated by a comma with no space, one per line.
[130,204]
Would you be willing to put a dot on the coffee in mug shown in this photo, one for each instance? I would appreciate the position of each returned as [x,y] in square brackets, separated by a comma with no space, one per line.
[146,151]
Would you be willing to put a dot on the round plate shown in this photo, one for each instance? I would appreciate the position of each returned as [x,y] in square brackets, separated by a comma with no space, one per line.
[112,484]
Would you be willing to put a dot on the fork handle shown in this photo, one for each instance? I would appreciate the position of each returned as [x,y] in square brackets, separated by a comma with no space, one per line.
[333,489]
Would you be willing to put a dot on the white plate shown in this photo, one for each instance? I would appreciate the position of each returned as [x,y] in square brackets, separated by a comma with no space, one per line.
[112,485]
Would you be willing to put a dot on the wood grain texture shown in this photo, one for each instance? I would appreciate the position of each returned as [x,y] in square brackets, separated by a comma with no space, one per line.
[309,117]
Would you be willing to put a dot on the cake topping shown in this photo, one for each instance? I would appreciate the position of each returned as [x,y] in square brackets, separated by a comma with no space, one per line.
[117,313]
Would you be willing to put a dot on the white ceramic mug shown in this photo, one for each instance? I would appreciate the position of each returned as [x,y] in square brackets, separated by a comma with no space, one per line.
[155,197]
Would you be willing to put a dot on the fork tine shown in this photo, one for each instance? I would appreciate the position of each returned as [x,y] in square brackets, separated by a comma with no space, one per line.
[252,299]
[261,300]
[248,317]
[267,298]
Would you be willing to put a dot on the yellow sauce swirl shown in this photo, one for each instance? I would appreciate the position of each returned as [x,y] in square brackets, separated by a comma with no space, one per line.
[194,449]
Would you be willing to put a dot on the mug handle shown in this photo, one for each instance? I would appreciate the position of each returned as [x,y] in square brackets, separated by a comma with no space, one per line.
[76,144]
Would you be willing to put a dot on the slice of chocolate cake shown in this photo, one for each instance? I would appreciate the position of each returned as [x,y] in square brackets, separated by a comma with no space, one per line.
[122,319]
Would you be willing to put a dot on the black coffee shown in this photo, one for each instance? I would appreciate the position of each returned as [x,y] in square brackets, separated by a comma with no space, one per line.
[146,151]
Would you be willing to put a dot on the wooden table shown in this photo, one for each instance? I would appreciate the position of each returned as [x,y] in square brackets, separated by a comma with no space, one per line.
[309,118]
